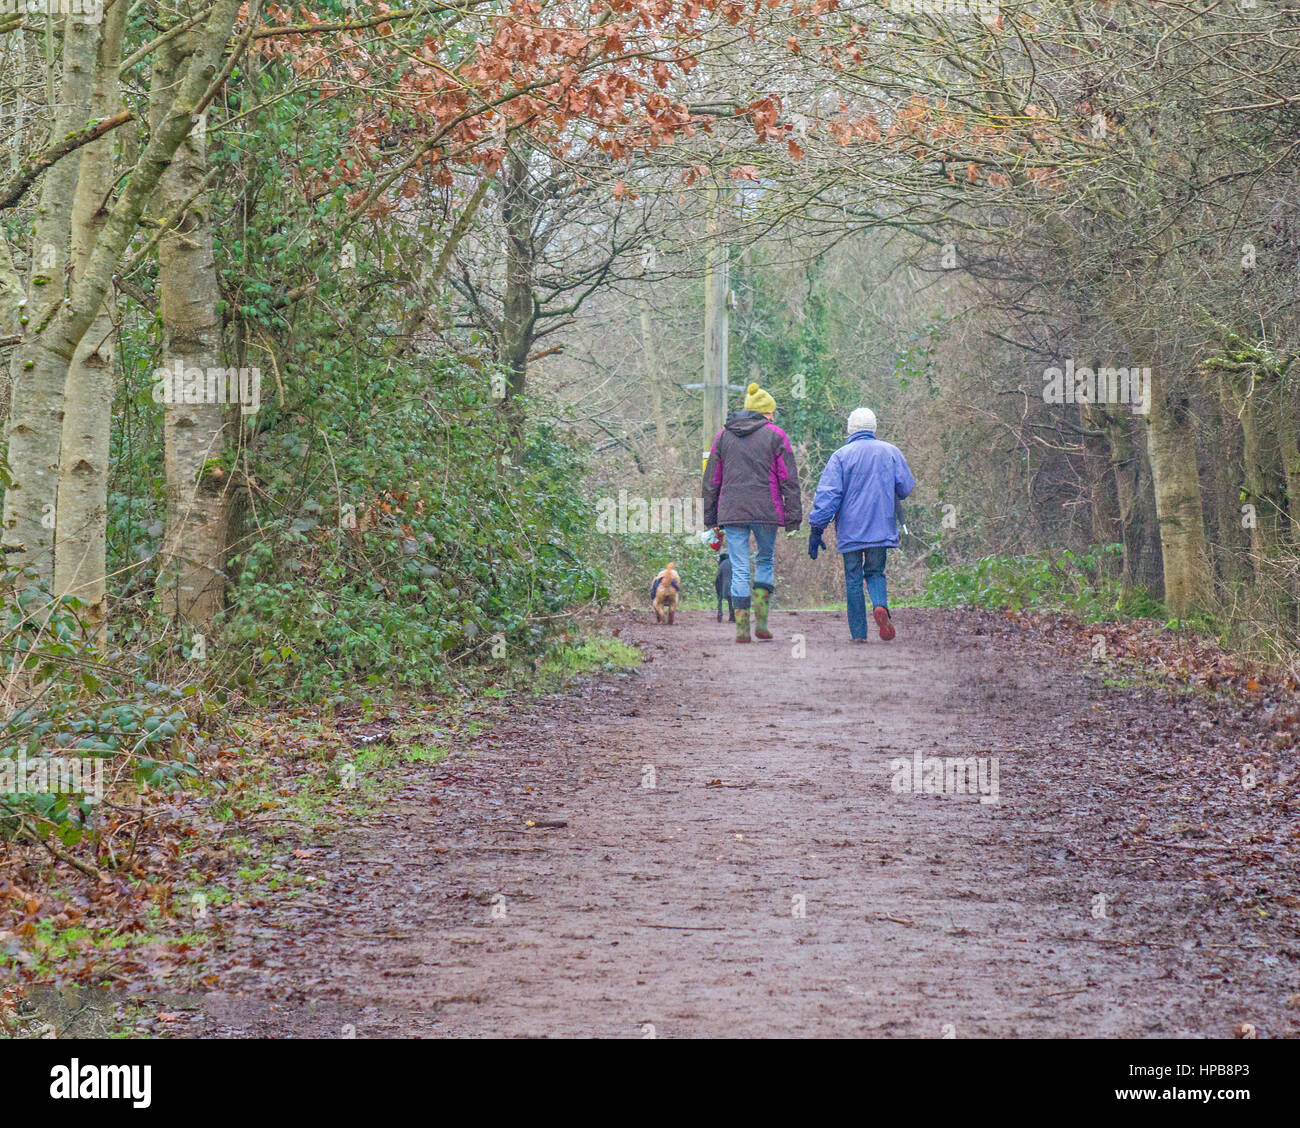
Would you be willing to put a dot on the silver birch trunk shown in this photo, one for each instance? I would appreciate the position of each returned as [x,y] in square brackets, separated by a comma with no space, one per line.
[37,373]
[191,578]
[81,512]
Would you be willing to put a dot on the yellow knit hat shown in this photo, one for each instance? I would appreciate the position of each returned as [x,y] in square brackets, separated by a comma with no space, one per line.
[758,400]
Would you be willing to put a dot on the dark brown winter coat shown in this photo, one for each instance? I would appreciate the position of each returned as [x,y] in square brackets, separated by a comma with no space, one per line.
[750,477]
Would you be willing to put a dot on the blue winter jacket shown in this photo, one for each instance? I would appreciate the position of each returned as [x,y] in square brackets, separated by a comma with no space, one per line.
[858,489]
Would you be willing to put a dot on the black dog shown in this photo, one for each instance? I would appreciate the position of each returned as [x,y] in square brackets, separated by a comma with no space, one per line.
[722,585]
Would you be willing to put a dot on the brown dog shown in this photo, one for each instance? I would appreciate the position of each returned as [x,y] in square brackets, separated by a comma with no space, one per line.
[664,591]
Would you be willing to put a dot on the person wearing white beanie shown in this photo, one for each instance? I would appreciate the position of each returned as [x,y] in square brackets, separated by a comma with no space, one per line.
[862,419]
[859,490]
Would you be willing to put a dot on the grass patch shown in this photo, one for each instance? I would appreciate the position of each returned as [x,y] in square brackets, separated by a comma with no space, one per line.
[591,655]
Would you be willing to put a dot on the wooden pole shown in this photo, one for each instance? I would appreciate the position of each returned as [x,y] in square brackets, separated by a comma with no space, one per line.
[653,375]
[717,290]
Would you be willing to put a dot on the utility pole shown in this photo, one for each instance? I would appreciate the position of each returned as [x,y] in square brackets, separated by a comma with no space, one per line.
[717,294]
[649,353]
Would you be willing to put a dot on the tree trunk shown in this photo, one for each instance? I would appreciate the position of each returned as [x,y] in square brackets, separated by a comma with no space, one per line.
[717,288]
[12,299]
[1263,411]
[1232,539]
[1288,430]
[38,373]
[1171,444]
[652,375]
[1137,518]
[82,501]
[1288,427]
[12,295]
[191,576]
[519,310]
[1100,480]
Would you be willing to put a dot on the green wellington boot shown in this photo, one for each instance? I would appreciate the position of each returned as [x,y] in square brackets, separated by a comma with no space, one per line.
[742,624]
[762,604]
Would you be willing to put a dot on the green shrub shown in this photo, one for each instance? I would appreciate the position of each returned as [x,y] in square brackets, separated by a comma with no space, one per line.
[1083,584]
[402,540]
[77,712]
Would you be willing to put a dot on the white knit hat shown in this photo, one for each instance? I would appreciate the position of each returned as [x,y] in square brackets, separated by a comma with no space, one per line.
[862,419]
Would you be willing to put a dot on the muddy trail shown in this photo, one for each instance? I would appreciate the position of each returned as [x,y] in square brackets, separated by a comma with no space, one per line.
[717,844]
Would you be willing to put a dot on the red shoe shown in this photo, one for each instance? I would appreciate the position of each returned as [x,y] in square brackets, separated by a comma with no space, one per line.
[881,615]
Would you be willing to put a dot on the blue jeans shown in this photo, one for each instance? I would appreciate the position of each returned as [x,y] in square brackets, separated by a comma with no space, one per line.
[764,566]
[870,561]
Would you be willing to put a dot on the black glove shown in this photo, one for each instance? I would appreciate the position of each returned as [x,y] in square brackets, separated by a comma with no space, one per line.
[815,544]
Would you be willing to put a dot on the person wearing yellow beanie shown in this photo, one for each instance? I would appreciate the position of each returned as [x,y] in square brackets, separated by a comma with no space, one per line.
[751,489]
[758,400]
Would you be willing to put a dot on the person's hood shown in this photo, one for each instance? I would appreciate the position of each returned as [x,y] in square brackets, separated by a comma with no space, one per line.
[746,423]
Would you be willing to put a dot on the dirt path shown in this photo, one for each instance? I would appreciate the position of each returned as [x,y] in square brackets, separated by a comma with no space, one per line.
[676,906]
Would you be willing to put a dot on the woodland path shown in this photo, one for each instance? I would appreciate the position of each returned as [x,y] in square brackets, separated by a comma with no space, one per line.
[673,906]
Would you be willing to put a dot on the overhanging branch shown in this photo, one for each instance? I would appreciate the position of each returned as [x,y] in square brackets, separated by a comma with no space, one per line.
[17,187]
